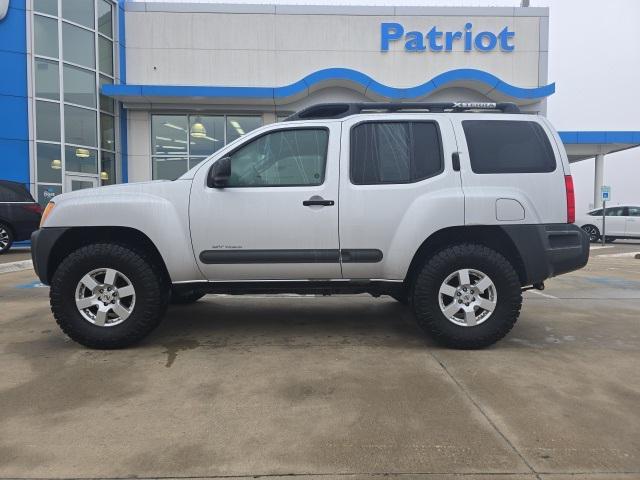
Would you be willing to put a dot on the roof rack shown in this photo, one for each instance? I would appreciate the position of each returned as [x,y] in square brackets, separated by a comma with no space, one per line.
[340,110]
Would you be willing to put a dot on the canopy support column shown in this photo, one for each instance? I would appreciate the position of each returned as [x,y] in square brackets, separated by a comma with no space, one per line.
[598,180]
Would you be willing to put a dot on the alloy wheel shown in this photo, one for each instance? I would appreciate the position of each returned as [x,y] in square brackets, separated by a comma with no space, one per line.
[105,297]
[467,297]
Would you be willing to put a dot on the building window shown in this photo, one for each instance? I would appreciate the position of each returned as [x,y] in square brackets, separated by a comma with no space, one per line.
[75,125]
[180,142]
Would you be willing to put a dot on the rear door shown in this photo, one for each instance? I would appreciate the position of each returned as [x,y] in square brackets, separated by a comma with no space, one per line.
[511,171]
[397,187]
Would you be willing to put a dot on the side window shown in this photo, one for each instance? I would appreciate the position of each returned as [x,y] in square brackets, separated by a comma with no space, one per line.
[394,152]
[508,146]
[634,212]
[614,212]
[281,158]
[14,193]
[596,213]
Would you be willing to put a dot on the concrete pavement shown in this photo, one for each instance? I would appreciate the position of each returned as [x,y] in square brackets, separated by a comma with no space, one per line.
[337,387]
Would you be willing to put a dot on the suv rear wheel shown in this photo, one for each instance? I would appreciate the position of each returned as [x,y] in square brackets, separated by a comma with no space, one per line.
[467,296]
[6,238]
[108,296]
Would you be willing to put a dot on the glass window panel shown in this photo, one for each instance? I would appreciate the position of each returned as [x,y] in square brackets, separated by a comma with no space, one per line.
[107,133]
[193,161]
[108,168]
[47,79]
[49,162]
[80,126]
[81,184]
[79,11]
[508,146]
[79,86]
[78,45]
[46,36]
[106,103]
[47,121]
[105,55]
[169,168]
[80,159]
[169,134]
[47,192]
[634,212]
[239,125]
[206,134]
[282,158]
[614,211]
[46,6]
[105,20]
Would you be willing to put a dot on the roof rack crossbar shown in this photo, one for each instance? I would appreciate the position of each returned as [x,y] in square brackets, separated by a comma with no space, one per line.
[341,110]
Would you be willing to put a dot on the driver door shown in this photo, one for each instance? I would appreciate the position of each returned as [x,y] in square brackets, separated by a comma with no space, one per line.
[277,218]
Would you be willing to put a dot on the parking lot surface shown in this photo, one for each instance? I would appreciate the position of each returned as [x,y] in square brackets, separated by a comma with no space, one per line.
[335,387]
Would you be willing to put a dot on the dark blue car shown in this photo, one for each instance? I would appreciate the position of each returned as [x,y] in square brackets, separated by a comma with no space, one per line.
[19,214]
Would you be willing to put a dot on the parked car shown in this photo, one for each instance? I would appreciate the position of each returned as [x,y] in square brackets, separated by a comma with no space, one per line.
[19,214]
[453,209]
[621,221]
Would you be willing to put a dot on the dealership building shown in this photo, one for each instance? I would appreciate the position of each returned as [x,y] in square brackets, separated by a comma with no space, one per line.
[96,92]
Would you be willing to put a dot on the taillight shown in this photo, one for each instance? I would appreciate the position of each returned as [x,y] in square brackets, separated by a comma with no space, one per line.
[571,199]
[33,208]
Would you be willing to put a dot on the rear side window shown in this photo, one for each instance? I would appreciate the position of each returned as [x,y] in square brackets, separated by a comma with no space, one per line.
[14,192]
[508,146]
[394,152]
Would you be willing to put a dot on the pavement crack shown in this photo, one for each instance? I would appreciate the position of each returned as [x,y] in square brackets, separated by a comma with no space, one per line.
[468,395]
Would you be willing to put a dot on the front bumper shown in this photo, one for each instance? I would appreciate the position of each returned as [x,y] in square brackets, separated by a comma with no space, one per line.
[549,250]
[42,243]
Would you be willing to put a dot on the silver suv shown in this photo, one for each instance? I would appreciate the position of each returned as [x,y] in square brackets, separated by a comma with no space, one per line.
[451,208]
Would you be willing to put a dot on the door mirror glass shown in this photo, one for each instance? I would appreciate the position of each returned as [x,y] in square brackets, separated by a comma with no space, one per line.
[220,173]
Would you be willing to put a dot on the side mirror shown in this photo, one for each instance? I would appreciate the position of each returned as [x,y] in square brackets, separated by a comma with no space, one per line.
[220,173]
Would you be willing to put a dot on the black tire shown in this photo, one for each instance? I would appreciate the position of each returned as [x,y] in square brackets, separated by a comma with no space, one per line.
[425,296]
[6,238]
[593,232]
[152,294]
[185,297]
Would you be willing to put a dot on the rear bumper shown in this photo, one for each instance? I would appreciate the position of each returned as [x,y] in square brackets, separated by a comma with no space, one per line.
[549,250]
[42,242]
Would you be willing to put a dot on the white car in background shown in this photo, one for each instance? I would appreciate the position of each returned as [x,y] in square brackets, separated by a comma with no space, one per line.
[622,221]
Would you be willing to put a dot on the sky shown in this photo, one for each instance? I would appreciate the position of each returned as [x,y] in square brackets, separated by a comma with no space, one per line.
[594,59]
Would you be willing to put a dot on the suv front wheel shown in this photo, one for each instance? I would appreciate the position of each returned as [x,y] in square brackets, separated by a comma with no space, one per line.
[108,296]
[467,296]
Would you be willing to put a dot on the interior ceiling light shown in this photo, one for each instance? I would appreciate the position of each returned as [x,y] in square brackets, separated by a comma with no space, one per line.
[82,153]
[171,125]
[56,164]
[197,129]
[237,126]
[104,175]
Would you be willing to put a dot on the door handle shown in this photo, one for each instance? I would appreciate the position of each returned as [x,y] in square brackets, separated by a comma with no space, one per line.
[316,200]
[455,161]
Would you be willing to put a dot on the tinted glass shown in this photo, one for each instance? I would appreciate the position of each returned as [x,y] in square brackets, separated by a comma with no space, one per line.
[206,134]
[80,126]
[46,36]
[49,162]
[79,11]
[105,55]
[614,211]
[633,211]
[394,152]
[83,160]
[14,192]
[108,168]
[239,125]
[104,18]
[596,213]
[78,45]
[107,133]
[169,134]
[47,121]
[169,168]
[79,86]
[284,158]
[106,103]
[46,6]
[508,146]
[47,79]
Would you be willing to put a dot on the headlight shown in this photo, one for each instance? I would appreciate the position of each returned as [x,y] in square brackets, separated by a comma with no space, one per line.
[46,213]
